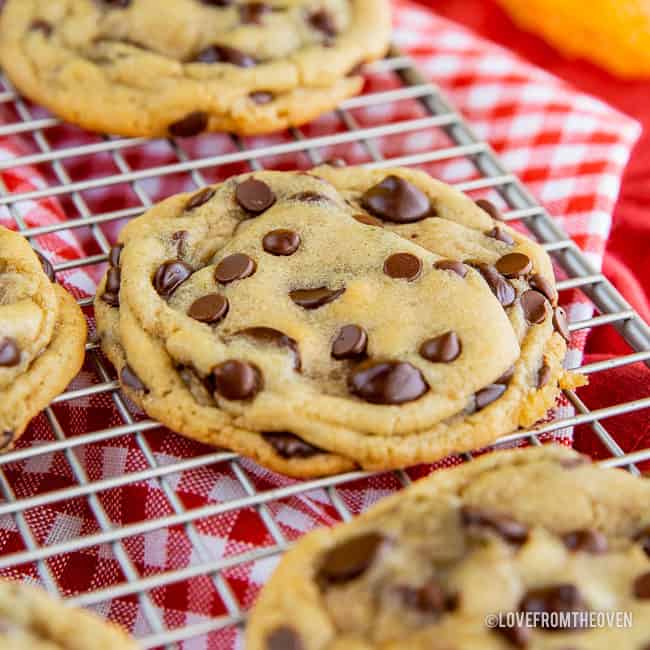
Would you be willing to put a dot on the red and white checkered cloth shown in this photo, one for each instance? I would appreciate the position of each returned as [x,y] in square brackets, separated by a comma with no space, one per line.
[570,149]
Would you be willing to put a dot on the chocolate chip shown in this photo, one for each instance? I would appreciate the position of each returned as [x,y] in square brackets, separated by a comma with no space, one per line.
[130,379]
[192,124]
[254,196]
[506,376]
[180,239]
[554,599]
[441,349]
[387,382]
[283,638]
[350,342]
[350,559]
[309,197]
[335,162]
[585,540]
[533,304]
[9,352]
[543,375]
[261,97]
[403,266]
[289,445]
[642,586]
[200,198]
[429,598]
[234,267]
[111,294]
[368,220]
[314,298]
[507,527]
[251,13]
[517,635]
[225,54]
[281,242]
[42,26]
[114,255]
[541,284]
[6,438]
[514,265]
[237,380]
[209,309]
[490,208]
[644,539]
[397,200]
[270,336]
[170,276]
[561,324]
[501,235]
[451,265]
[48,269]
[487,395]
[500,287]
[323,22]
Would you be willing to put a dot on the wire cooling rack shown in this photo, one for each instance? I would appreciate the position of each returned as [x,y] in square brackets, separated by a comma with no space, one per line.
[191,164]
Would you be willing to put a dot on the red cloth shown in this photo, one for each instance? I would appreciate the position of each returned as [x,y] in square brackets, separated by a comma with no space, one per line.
[628,248]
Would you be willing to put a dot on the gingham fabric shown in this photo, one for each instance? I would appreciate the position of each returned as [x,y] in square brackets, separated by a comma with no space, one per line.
[570,149]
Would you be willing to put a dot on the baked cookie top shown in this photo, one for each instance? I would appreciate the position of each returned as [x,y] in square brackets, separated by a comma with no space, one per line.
[42,335]
[536,530]
[144,67]
[375,314]
[32,620]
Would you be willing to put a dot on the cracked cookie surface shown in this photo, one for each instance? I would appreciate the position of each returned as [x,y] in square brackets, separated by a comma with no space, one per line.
[146,68]
[539,530]
[42,336]
[339,318]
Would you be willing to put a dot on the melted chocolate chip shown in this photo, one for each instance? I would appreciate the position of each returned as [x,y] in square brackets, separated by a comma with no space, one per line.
[430,598]
[281,242]
[200,198]
[387,382]
[42,26]
[403,266]
[397,200]
[261,97]
[350,559]
[323,22]
[314,298]
[237,380]
[490,208]
[441,349]
[368,220]
[190,125]
[234,267]
[500,235]
[507,527]
[517,635]
[561,324]
[114,255]
[514,265]
[543,375]
[487,395]
[335,162]
[309,197]
[644,539]
[586,540]
[451,265]
[170,276]
[500,287]
[289,445]
[9,352]
[533,304]
[180,239]
[251,13]
[6,438]
[351,342]
[642,586]
[270,336]
[283,638]
[541,284]
[225,54]
[48,269]
[254,196]
[209,309]
[130,379]
[111,294]
[552,599]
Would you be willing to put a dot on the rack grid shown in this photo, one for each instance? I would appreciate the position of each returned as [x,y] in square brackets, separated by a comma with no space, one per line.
[188,165]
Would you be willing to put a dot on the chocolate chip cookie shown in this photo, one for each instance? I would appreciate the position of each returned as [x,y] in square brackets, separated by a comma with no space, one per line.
[339,318]
[537,531]
[42,336]
[32,620]
[180,67]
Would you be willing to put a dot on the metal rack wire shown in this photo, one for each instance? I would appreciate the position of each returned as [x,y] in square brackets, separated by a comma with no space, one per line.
[459,142]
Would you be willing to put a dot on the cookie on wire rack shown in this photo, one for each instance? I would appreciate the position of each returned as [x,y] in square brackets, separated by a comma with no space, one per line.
[458,560]
[42,336]
[341,318]
[181,67]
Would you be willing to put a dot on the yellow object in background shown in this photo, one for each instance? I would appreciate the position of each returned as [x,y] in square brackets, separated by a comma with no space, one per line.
[614,34]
